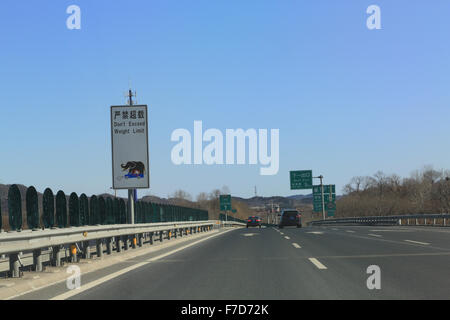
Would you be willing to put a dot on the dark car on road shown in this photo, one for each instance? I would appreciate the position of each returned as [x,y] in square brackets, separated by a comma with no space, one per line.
[290,217]
[254,222]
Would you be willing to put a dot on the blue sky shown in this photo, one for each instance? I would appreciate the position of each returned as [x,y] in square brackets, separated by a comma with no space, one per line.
[348,101]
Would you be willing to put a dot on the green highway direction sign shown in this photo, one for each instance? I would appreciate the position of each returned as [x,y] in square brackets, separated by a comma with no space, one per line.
[225,203]
[301,179]
[329,198]
[326,189]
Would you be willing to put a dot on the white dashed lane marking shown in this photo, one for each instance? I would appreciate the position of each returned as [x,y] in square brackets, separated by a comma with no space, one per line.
[296,245]
[317,263]
[287,238]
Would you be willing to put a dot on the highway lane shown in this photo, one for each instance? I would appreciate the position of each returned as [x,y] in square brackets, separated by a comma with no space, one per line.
[408,270]
[307,263]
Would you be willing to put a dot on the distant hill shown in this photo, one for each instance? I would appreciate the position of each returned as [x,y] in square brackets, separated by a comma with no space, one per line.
[283,202]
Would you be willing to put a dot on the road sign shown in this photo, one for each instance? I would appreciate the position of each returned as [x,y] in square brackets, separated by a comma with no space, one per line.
[129,142]
[331,208]
[225,203]
[301,179]
[326,189]
[326,198]
[329,198]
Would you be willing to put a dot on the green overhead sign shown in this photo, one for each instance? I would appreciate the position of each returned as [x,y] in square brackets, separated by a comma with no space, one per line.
[301,179]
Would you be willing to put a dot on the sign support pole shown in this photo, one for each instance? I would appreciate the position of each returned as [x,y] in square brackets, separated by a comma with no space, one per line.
[131,192]
[322,195]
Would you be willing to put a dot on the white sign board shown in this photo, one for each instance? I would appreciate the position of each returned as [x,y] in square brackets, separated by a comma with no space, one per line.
[129,142]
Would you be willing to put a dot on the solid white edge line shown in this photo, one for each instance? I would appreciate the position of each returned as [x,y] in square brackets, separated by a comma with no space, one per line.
[317,263]
[374,235]
[97,282]
[424,243]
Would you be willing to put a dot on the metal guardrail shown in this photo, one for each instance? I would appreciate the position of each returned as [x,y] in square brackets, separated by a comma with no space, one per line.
[427,219]
[232,223]
[24,248]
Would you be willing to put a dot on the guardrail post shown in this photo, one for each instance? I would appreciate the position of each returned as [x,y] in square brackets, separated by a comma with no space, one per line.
[100,248]
[119,244]
[109,246]
[126,243]
[56,256]
[133,241]
[14,265]
[408,221]
[434,221]
[37,260]
[73,253]
[175,233]
[417,222]
[160,236]
[445,222]
[86,251]
[151,238]
[141,239]
[168,234]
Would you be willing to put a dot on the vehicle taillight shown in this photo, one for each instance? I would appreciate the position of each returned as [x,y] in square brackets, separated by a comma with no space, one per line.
[249,220]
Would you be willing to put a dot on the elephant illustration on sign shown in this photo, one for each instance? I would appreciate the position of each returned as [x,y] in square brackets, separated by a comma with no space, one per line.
[136,169]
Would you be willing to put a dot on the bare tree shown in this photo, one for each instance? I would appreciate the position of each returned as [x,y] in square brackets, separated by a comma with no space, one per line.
[181,194]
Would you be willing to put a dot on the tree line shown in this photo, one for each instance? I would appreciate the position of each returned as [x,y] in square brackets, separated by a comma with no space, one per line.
[426,191]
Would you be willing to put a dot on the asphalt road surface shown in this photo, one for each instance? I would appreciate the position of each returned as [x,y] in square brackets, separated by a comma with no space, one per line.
[290,263]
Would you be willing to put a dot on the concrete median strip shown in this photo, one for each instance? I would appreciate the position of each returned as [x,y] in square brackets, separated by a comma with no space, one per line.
[317,263]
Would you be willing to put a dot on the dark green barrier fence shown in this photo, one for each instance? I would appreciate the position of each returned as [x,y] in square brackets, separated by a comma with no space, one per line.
[48,209]
[82,211]
[123,211]
[94,211]
[31,203]
[15,208]
[116,211]
[102,210]
[74,210]
[109,209]
[61,209]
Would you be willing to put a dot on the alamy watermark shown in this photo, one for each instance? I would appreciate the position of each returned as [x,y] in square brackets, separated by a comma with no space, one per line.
[74,280]
[74,20]
[220,152]
[374,20]
[374,281]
